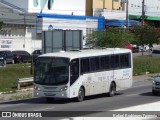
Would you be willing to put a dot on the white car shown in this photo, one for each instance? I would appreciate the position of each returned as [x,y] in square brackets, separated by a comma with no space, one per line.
[156,85]
[143,48]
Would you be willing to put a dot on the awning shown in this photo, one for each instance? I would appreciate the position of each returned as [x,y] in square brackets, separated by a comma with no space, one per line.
[121,23]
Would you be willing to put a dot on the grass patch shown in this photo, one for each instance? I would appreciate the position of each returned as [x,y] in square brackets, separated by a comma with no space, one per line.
[10,74]
[143,64]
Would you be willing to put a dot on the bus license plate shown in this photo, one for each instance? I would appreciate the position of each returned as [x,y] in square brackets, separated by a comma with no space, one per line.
[49,94]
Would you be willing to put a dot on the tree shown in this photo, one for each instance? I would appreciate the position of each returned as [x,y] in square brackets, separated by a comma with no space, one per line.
[1,24]
[147,35]
[111,37]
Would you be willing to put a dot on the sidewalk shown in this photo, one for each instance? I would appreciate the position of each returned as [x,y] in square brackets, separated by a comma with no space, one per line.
[144,77]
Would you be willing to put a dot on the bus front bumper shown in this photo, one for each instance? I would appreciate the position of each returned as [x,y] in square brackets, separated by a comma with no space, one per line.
[63,94]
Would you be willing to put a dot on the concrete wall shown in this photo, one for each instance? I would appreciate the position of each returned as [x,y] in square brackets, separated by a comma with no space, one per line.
[19,38]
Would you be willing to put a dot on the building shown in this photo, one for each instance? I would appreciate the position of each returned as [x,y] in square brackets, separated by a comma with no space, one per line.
[25,19]
[107,4]
[151,11]
[19,29]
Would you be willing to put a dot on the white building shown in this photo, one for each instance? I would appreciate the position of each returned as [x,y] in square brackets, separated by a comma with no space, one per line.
[151,8]
[19,31]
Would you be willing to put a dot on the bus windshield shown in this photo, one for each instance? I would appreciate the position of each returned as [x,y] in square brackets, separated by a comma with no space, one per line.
[51,71]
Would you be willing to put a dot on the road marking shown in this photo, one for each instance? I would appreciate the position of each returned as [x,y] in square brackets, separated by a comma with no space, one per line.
[44,109]
[11,105]
[132,94]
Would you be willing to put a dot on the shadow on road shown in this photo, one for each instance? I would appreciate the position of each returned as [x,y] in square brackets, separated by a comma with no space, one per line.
[57,100]
[149,94]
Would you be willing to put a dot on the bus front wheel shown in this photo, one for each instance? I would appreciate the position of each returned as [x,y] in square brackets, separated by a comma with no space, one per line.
[81,95]
[112,90]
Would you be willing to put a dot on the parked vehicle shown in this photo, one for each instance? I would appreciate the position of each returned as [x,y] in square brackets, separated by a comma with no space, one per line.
[21,56]
[143,48]
[135,49]
[1,62]
[7,56]
[35,54]
[156,52]
[128,46]
[156,85]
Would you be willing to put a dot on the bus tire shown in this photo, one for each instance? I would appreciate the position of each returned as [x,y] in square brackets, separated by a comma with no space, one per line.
[112,90]
[81,95]
[49,99]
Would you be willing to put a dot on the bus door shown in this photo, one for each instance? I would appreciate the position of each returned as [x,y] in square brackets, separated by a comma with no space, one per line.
[85,75]
[74,78]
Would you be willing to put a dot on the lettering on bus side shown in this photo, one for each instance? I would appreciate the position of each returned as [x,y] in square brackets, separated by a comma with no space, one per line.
[126,72]
[102,78]
[89,78]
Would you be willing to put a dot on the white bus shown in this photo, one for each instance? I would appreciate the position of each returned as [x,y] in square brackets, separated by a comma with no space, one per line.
[76,74]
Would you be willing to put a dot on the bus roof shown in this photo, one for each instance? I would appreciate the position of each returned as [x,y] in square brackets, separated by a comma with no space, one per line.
[86,53]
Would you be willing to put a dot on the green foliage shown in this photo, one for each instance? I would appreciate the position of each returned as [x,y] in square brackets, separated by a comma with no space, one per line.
[10,74]
[146,35]
[111,37]
[117,37]
[145,64]
[1,24]
[96,39]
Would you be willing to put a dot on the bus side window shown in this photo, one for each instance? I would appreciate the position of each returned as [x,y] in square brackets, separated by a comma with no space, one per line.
[74,72]
[115,61]
[94,64]
[125,61]
[84,65]
[105,62]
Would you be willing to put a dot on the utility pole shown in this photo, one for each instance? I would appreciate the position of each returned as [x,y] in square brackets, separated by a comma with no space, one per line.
[127,14]
[143,13]
[104,4]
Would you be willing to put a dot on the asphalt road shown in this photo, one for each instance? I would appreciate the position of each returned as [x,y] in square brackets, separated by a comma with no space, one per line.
[140,93]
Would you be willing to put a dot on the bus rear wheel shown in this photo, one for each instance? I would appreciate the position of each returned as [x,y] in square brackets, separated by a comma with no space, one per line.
[81,95]
[112,90]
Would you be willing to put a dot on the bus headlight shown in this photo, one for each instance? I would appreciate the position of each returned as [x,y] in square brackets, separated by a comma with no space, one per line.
[63,88]
[37,88]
